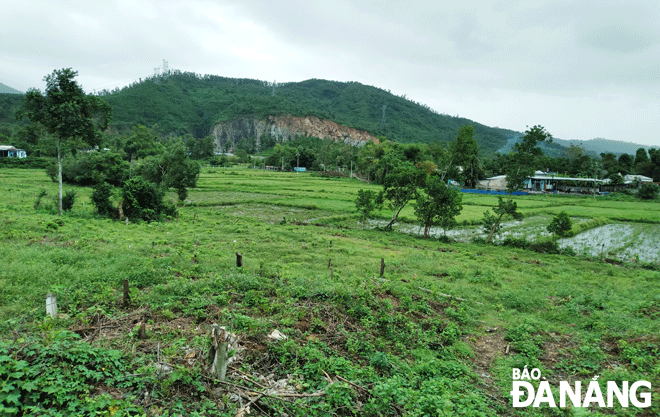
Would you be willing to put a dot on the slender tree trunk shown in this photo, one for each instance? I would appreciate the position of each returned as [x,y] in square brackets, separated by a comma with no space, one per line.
[394,217]
[495,226]
[59,179]
[499,219]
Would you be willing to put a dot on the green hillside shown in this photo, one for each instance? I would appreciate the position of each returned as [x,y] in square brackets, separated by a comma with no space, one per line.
[5,89]
[600,145]
[8,105]
[190,103]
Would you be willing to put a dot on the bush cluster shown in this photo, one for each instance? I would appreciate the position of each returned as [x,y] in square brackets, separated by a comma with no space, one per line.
[140,200]
[91,168]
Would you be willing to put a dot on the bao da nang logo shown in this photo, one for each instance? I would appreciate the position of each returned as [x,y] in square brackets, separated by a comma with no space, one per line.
[524,394]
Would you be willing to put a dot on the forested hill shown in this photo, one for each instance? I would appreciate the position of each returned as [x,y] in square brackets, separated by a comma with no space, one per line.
[190,103]
[5,89]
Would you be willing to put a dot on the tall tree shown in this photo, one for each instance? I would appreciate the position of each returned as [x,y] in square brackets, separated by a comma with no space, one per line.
[465,153]
[400,187]
[610,164]
[72,117]
[643,165]
[366,202]
[492,222]
[437,204]
[520,166]
[525,154]
[626,163]
[141,143]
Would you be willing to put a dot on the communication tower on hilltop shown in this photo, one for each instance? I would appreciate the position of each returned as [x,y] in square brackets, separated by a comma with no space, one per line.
[164,70]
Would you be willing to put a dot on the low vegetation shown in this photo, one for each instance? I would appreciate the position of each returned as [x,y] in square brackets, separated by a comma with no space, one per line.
[437,334]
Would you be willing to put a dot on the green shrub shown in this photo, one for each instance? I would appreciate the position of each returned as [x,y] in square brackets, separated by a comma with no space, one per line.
[590,224]
[560,225]
[144,200]
[141,199]
[90,168]
[68,199]
[37,202]
[648,191]
[545,246]
[182,193]
[32,162]
[516,242]
[101,199]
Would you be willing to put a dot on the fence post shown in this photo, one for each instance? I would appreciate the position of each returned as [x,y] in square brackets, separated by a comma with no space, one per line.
[51,305]
[127,295]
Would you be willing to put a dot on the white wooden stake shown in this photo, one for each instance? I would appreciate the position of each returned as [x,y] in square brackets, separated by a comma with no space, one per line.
[51,305]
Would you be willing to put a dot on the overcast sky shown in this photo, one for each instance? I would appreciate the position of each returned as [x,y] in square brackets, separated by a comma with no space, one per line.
[582,69]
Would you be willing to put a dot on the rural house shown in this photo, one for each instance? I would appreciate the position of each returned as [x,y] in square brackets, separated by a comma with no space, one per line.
[8,151]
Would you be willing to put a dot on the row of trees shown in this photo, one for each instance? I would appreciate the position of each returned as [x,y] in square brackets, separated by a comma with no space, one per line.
[438,203]
[421,173]
[578,163]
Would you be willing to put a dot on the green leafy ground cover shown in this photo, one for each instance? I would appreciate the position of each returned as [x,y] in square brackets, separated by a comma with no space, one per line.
[439,334]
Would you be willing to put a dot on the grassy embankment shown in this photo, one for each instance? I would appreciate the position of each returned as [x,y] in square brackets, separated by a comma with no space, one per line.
[405,346]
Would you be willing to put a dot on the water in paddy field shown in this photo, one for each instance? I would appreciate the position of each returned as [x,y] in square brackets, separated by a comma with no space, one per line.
[528,228]
[624,241]
[628,242]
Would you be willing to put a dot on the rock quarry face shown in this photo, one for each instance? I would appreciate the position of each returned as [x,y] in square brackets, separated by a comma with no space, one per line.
[283,129]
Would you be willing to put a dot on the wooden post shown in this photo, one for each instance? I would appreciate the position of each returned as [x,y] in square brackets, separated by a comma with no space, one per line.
[218,354]
[127,295]
[382,266]
[329,262]
[332,273]
[239,259]
[51,305]
[142,332]
[126,221]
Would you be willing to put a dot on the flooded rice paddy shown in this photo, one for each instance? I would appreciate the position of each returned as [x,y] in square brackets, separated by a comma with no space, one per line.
[625,241]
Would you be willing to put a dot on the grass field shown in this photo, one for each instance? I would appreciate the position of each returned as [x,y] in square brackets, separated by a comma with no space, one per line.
[438,334]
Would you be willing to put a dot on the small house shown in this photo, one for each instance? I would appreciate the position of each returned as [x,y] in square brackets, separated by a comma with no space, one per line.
[8,151]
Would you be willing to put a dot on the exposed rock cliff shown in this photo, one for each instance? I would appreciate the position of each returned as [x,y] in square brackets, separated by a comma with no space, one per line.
[283,128]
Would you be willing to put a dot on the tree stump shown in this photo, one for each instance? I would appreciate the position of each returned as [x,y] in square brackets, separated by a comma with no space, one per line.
[142,331]
[219,352]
